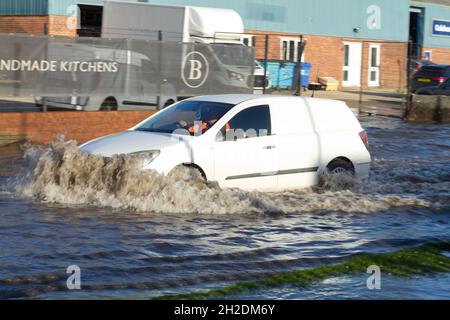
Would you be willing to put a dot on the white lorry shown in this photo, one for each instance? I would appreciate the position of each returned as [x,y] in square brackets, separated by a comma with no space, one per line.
[176,24]
[185,24]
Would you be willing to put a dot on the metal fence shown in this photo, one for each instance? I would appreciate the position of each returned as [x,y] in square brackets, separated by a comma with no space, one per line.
[133,69]
[92,73]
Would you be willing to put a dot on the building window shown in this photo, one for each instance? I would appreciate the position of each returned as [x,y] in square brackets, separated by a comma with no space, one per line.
[345,75]
[428,55]
[290,48]
[374,57]
[248,40]
[346,55]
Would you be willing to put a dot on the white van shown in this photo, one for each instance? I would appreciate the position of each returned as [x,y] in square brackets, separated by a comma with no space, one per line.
[266,143]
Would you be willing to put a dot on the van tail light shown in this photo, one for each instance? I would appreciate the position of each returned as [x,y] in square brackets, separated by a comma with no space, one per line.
[364,138]
[440,79]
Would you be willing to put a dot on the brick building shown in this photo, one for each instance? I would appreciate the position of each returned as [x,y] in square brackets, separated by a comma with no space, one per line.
[357,42]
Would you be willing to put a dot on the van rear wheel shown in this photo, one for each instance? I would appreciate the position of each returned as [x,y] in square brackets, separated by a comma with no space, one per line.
[339,166]
[339,174]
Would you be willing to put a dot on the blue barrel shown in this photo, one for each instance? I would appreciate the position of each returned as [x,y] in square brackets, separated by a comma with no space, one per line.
[282,74]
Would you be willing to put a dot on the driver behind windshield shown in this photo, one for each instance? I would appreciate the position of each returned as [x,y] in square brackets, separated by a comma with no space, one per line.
[204,119]
[193,117]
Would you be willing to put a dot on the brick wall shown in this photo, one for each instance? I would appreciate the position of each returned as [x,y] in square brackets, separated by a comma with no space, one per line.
[326,54]
[440,56]
[58,27]
[43,127]
[393,65]
[36,25]
[23,24]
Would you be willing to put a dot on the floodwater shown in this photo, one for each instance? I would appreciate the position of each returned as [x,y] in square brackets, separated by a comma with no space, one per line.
[140,236]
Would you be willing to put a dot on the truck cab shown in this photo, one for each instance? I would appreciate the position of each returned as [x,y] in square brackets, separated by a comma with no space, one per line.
[223,27]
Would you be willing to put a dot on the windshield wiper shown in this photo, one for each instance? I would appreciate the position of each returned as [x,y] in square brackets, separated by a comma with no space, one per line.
[153,130]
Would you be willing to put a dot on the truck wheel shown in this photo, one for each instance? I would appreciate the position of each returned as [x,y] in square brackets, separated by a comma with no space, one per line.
[110,104]
[168,103]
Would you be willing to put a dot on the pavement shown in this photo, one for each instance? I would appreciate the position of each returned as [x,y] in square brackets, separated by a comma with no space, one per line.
[369,102]
[373,102]
[18,104]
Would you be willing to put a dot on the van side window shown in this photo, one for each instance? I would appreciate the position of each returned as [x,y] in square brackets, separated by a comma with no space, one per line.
[249,123]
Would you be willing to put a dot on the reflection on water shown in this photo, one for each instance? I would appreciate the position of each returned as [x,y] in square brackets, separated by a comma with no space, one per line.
[415,288]
[171,235]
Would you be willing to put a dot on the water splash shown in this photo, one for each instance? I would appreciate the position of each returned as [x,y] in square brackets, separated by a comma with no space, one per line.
[60,173]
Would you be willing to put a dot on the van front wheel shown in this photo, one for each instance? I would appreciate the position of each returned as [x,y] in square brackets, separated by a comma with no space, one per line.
[188,172]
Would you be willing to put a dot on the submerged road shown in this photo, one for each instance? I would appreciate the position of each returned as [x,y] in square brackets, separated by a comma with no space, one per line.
[241,236]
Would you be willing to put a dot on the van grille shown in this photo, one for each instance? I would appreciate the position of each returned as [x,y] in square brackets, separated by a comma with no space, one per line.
[260,82]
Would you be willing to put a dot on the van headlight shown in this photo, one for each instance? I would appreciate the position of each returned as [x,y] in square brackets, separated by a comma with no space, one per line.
[235,76]
[146,156]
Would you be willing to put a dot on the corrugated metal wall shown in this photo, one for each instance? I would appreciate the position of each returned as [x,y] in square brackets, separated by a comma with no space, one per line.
[434,11]
[61,7]
[23,7]
[320,17]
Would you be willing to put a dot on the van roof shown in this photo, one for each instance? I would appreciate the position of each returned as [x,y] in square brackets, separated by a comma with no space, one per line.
[239,98]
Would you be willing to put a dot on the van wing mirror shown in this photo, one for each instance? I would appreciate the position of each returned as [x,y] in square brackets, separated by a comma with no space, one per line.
[223,135]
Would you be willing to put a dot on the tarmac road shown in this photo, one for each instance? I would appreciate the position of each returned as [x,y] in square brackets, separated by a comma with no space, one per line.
[374,102]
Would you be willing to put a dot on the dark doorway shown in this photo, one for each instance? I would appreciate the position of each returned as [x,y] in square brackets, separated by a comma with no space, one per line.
[416,25]
[90,21]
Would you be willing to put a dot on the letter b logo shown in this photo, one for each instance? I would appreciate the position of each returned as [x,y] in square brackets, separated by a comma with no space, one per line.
[195,70]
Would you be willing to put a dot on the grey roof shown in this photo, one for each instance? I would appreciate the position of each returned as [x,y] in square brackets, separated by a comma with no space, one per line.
[239,98]
[229,98]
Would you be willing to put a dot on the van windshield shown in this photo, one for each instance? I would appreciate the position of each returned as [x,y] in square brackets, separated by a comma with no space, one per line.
[187,117]
[233,54]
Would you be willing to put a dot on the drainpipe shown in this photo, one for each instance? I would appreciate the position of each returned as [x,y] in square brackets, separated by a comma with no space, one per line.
[266,58]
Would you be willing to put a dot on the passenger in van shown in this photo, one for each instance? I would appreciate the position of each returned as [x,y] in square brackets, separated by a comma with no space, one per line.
[196,128]
[210,117]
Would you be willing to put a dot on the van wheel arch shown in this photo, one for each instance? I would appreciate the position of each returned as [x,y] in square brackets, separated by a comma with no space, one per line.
[196,167]
[342,163]
[191,166]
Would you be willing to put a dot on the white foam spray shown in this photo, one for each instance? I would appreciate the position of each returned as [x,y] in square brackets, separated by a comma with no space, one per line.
[61,173]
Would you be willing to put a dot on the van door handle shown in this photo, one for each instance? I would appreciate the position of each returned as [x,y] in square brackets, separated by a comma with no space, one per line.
[269,147]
